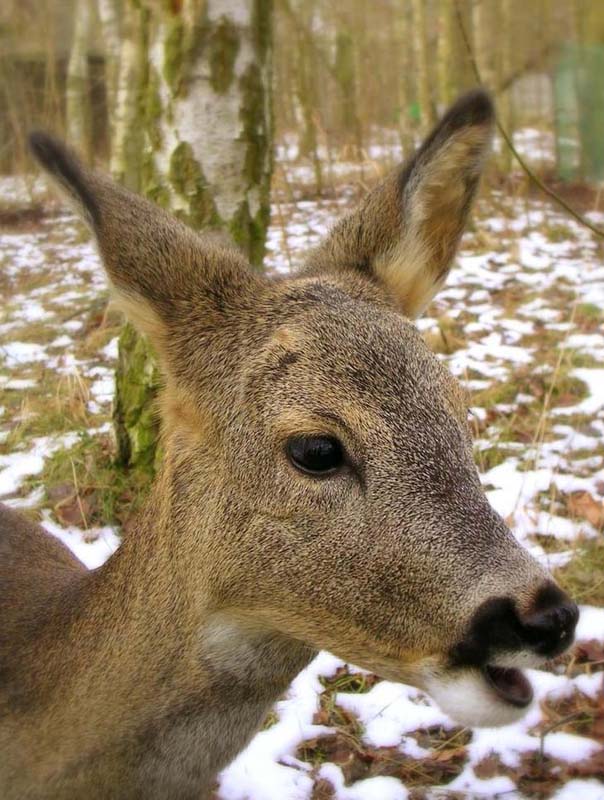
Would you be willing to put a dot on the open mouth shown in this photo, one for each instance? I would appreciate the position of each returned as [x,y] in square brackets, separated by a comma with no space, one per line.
[509,684]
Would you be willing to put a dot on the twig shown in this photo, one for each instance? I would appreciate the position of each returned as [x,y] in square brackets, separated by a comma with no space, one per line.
[506,138]
[529,64]
[78,498]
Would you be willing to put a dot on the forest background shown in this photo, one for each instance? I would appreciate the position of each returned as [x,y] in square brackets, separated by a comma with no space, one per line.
[267,120]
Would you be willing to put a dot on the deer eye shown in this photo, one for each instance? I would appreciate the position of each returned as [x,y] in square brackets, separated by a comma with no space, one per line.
[315,455]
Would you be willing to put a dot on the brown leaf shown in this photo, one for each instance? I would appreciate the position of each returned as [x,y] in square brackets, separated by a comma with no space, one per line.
[584,506]
[73,511]
[592,651]
[450,754]
[323,790]
[589,767]
[488,767]
[60,492]
[321,717]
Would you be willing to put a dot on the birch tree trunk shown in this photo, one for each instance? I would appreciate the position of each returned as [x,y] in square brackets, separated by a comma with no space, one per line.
[208,158]
[77,95]
[422,64]
[109,16]
[128,111]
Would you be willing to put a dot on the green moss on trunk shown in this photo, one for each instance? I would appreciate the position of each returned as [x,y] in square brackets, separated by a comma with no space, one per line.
[187,179]
[175,52]
[262,27]
[250,232]
[135,418]
[223,46]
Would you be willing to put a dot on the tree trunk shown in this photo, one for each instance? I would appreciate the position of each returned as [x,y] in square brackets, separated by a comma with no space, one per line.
[405,85]
[505,68]
[463,68]
[206,110]
[109,16]
[444,53]
[305,87]
[485,36]
[422,64]
[77,86]
[128,110]
[345,74]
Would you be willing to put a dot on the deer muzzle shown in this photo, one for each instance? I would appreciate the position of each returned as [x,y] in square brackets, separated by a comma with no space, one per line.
[501,640]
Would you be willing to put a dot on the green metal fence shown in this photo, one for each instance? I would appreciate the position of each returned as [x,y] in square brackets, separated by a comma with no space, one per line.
[579,112]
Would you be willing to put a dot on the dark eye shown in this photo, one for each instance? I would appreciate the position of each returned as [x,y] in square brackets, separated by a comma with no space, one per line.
[315,455]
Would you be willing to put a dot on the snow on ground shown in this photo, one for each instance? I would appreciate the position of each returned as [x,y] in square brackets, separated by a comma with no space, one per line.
[520,323]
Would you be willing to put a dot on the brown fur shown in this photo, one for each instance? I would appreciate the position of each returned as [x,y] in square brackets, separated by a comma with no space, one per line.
[144,678]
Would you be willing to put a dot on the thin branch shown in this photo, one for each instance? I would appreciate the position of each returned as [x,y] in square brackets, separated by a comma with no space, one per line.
[507,139]
[302,29]
[531,62]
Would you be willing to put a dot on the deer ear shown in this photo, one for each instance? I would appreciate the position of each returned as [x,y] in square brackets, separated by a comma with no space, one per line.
[161,271]
[406,231]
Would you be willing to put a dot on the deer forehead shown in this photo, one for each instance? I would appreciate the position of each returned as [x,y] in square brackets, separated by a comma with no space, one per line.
[345,360]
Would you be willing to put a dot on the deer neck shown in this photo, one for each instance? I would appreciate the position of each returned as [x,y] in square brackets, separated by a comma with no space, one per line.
[160,669]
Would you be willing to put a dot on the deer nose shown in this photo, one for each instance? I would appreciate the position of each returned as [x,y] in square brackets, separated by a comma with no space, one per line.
[550,629]
[498,627]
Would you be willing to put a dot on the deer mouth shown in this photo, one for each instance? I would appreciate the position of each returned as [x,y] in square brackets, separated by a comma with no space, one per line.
[509,684]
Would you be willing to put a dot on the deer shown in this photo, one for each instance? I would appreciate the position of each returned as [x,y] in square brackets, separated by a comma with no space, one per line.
[317,491]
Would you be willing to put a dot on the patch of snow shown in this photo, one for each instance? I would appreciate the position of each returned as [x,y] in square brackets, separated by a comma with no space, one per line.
[110,349]
[18,383]
[17,466]
[256,772]
[377,788]
[62,341]
[591,624]
[580,790]
[389,711]
[15,353]
[594,378]
[92,546]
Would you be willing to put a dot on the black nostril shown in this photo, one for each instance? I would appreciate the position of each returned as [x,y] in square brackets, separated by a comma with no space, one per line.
[550,631]
[497,628]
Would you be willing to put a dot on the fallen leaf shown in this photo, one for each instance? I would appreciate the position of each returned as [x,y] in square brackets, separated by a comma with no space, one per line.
[584,506]
[73,511]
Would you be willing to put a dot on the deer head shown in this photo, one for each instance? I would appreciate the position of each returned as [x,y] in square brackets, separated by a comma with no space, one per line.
[318,482]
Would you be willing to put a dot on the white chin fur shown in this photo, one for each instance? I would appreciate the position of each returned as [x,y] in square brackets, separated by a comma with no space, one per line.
[467,699]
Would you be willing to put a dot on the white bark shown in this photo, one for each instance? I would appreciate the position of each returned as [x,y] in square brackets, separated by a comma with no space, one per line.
[124,112]
[109,16]
[77,89]
[209,119]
